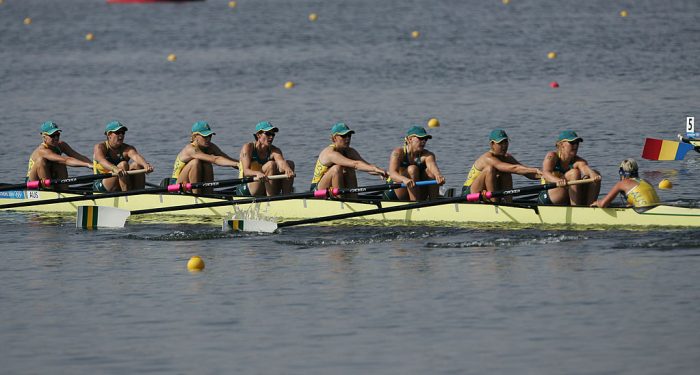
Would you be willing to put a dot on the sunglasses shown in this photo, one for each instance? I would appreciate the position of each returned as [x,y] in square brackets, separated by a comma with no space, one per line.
[54,135]
[347,135]
[270,134]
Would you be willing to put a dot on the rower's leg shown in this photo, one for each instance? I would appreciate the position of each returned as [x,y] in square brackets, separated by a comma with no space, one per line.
[418,193]
[577,193]
[592,191]
[57,170]
[207,176]
[350,178]
[111,184]
[191,172]
[137,181]
[504,181]
[272,187]
[288,184]
[124,182]
[332,177]
[403,194]
[485,181]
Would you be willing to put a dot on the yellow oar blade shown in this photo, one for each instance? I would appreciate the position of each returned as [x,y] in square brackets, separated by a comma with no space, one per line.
[239,225]
[94,217]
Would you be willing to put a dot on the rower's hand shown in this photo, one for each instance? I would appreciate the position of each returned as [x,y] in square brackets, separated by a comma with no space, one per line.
[409,183]
[440,179]
[121,173]
[290,173]
[149,168]
[595,203]
[259,176]
[597,178]
[562,182]
[538,173]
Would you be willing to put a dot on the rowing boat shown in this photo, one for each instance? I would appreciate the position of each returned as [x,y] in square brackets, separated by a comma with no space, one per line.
[453,214]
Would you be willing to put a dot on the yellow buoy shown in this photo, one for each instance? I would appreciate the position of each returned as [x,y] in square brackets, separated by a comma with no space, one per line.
[27,21]
[506,2]
[172,57]
[623,13]
[313,17]
[415,34]
[288,85]
[552,55]
[232,4]
[433,123]
[665,184]
[89,37]
[195,264]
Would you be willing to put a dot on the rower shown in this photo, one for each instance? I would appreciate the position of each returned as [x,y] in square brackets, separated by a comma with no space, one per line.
[261,159]
[195,161]
[413,162]
[633,190]
[113,155]
[565,164]
[493,169]
[337,163]
[47,161]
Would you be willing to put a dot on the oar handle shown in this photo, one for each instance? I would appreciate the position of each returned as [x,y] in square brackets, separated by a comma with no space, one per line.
[130,172]
[475,197]
[181,187]
[334,192]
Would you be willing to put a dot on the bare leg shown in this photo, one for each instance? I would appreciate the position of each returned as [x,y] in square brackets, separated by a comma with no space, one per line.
[288,184]
[504,181]
[577,194]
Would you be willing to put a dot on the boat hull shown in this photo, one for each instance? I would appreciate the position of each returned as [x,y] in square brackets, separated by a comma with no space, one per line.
[462,214]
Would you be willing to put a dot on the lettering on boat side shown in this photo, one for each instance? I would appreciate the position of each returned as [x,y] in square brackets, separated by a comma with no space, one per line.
[12,194]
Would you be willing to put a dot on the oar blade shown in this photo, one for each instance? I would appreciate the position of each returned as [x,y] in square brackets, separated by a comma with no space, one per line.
[661,149]
[249,225]
[94,217]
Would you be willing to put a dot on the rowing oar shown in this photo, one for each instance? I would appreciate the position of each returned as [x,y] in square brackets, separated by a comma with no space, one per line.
[111,217]
[269,226]
[661,149]
[47,183]
[181,187]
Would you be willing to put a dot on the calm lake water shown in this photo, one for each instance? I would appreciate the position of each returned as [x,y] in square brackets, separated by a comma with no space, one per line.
[334,299]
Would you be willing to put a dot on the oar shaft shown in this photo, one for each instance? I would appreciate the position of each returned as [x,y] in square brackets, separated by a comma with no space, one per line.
[321,193]
[409,206]
[116,194]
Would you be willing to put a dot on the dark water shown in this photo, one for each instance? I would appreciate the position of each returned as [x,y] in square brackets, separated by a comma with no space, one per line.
[351,299]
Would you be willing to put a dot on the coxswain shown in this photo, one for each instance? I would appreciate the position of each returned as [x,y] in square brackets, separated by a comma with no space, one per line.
[635,192]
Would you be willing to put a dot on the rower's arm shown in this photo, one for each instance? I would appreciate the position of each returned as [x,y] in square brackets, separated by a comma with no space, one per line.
[65,147]
[278,157]
[217,157]
[605,202]
[550,160]
[585,169]
[394,166]
[514,166]
[354,161]
[246,160]
[432,168]
[68,160]
[139,159]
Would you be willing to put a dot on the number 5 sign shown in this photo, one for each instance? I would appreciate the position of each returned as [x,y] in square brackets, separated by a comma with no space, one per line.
[690,124]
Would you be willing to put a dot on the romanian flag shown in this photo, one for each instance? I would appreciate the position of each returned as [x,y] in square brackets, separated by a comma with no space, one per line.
[659,149]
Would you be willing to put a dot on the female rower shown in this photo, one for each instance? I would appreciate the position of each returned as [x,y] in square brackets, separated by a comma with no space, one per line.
[565,164]
[113,155]
[634,191]
[261,159]
[337,163]
[195,162]
[413,162]
[493,169]
[47,161]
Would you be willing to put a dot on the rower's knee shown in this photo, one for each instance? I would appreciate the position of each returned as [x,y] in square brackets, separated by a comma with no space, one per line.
[573,174]
[413,172]
[336,170]
[270,168]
